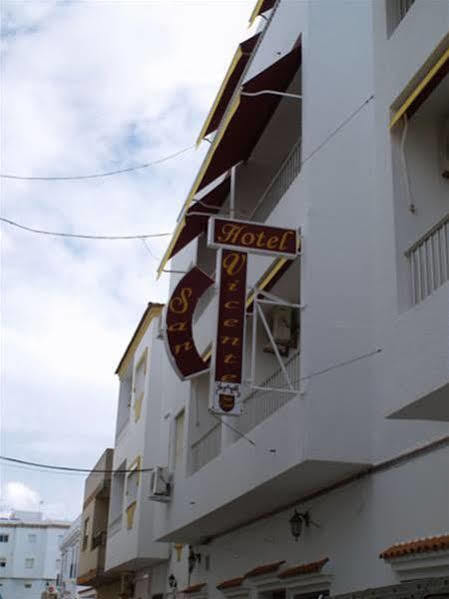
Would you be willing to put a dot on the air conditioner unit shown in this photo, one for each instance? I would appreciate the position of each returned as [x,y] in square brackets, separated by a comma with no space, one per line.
[444,149]
[283,328]
[160,484]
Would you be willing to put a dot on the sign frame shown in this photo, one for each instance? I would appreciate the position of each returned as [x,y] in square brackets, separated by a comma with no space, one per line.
[229,388]
[189,328]
[249,249]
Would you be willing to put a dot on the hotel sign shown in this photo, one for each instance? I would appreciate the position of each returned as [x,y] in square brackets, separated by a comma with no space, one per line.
[181,348]
[234,240]
[229,344]
[253,238]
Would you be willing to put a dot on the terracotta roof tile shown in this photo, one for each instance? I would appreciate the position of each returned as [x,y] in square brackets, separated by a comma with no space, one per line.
[231,583]
[310,568]
[417,546]
[266,569]
[195,588]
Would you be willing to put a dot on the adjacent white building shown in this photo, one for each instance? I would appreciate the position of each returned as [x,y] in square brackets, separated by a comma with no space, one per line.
[29,554]
[70,557]
[352,150]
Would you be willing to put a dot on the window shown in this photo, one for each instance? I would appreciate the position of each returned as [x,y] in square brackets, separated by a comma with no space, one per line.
[29,562]
[396,11]
[117,497]
[179,438]
[124,402]
[28,585]
[85,534]
[2,562]
[132,482]
[32,538]
[139,385]
[4,538]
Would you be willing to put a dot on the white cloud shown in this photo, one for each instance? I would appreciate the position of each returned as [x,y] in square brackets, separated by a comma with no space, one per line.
[21,497]
[87,87]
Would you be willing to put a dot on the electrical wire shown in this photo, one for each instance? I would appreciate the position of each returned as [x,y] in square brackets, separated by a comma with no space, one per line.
[149,250]
[79,235]
[302,378]
[70,468]
[120,171]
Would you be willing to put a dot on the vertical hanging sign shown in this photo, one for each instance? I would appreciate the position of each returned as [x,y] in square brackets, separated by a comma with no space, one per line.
[179,341]
[227,366]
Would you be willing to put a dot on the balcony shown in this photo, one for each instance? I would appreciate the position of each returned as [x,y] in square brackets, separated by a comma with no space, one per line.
[206,448]
[429,261]
[95,523]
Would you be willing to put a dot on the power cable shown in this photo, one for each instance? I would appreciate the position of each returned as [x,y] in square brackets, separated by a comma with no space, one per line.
[70,468]
[302,378]
[149,250]
[120,171]
[79,235]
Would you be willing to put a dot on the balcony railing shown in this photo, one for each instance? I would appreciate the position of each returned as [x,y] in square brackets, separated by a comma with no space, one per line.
[429,261]
[260,405]
[279,185]
[207,448]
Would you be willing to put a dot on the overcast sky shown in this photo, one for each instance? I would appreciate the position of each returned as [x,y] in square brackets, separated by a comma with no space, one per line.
[90,86]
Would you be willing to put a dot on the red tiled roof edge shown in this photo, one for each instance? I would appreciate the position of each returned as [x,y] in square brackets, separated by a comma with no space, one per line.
[266,569]
[231,583]
[195,588]
[436,543]
[310,568]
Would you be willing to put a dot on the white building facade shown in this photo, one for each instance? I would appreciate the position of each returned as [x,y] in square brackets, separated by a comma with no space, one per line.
[70,555]
[352,154]
[29,554]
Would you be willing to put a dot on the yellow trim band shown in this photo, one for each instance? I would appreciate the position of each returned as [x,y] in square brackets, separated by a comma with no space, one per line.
[256,11]
[153,313]
[197,183]
[237,56]
[419,88]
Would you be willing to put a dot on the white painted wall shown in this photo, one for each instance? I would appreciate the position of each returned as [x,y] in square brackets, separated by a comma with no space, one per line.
[43,549]
[343,200]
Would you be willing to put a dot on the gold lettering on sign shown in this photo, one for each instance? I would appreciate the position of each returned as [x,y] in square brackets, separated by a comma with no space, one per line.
[176,327]
[272,242]
[228,378]
[284,238]
[180,304]
[232,305]
[230,233]
[230,359]
[260,243]
[186,346]
[230,322]
[247,238]
[234,262]
[232,340]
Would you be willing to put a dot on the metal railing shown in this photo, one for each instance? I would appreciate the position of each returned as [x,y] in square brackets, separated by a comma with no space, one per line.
[429,261]
[280,183]
[207,448]
[259,405]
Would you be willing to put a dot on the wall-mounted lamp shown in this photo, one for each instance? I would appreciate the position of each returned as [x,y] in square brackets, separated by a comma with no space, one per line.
[298,521]
[193,559]
[172,582]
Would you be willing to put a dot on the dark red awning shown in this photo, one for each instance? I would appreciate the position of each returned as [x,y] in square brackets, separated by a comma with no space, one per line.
[261,7]
[196,224]
[251,116]
[229,85]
